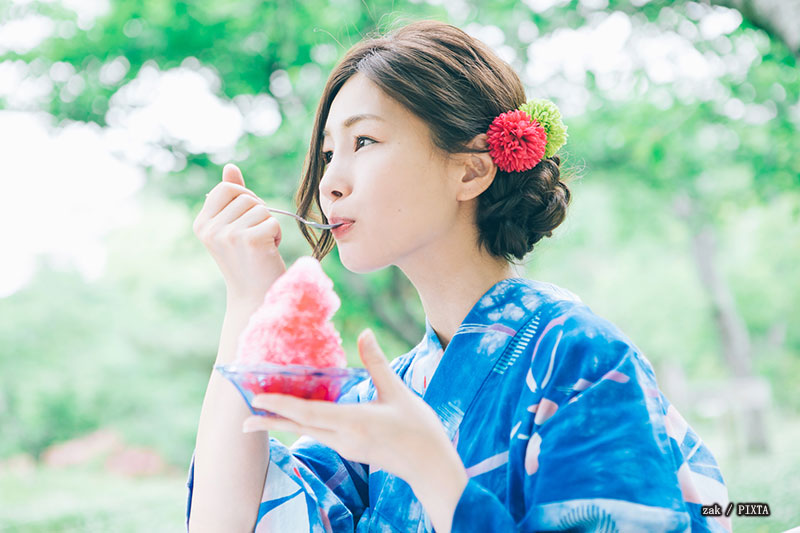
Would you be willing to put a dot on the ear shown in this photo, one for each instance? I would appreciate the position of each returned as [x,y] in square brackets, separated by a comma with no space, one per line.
[477,170]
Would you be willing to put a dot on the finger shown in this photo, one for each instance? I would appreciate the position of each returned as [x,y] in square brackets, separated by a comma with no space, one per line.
[310,413]
[339,441]
[220,197]
[232,174]
[267,231]
[263,423]
[385,380]
[236,209]
[257,214]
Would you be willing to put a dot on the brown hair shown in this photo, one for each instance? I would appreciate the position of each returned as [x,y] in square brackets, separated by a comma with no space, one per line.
[457,86]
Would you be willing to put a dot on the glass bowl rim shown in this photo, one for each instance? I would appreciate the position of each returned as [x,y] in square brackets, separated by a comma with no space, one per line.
[265,368]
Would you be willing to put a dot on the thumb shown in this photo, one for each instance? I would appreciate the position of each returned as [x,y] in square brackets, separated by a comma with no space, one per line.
[232,174]
[384,378]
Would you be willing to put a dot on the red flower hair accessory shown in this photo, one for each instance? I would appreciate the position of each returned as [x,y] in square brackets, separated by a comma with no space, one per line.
[516,142]
[520,138]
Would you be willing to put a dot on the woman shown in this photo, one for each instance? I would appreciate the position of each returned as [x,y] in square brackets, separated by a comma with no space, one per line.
[520,410]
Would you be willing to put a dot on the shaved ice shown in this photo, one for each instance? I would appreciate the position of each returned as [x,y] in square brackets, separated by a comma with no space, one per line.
[292,326]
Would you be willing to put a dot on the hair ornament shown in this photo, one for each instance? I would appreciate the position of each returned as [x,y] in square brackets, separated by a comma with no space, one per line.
[519,139]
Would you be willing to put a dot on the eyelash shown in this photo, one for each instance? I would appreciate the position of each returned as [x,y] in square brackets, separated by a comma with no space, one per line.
[328,155]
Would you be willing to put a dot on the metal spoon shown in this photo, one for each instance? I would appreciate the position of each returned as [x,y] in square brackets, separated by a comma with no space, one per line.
[316,225]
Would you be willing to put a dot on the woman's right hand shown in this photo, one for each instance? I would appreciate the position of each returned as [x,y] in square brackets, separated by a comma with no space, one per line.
[242,237]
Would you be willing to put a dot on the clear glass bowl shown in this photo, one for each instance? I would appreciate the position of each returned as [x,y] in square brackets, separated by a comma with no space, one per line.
[301,381]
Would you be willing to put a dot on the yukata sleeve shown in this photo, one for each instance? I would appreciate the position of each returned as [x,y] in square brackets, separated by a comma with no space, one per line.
[590,448]
[309,487]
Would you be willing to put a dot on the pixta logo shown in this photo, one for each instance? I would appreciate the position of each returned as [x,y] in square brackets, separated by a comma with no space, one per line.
[742,509]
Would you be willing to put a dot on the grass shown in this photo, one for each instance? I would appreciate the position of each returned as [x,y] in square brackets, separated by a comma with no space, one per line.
[89,500]
[772,478]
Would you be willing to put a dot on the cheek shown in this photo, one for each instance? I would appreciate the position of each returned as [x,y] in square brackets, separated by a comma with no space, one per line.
[400,204]
[400,207]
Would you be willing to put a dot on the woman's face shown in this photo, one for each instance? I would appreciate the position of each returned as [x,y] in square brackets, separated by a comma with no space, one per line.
[386,176]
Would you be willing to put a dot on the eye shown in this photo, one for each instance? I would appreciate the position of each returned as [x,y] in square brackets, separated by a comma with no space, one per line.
[327,155]
[360,138]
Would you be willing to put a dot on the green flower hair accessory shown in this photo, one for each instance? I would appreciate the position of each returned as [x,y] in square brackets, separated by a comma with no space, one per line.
[548,116]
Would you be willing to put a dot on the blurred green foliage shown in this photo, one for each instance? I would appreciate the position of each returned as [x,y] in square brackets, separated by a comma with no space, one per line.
[132,351]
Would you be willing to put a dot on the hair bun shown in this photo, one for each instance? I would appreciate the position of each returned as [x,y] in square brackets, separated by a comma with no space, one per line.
[520,208]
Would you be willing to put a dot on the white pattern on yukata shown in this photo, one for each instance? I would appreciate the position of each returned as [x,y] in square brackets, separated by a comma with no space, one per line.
[556,416]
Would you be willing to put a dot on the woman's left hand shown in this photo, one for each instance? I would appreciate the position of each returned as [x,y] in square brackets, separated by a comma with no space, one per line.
[398,432]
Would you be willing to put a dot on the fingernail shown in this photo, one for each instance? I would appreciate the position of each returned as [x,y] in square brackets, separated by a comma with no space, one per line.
[250,426]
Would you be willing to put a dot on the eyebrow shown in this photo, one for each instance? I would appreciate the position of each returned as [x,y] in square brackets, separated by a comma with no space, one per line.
[352,120]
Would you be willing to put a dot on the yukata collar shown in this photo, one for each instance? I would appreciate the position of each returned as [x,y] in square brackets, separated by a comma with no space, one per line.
[480,317]
[476,348]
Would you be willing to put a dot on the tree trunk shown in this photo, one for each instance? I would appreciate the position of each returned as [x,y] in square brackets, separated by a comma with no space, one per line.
[732,330]
[390,307]
[779,18]
[734,337]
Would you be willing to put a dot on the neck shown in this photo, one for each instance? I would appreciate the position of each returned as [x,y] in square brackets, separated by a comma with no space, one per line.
[450,282]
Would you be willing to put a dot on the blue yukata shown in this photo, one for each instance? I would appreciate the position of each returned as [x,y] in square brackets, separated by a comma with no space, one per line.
[556,416]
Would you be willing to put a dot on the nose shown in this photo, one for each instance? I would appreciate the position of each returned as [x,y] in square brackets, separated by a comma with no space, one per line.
[334,185]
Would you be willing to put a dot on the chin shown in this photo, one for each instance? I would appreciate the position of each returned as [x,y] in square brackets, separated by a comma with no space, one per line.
[359,262]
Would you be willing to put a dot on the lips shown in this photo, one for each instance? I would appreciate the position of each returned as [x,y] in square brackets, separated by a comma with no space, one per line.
[347,223]
[336,220]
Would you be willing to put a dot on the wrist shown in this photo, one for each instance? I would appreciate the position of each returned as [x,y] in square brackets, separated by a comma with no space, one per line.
[440,488]
[444,464]
[442,483]
[237,316]
[242,304]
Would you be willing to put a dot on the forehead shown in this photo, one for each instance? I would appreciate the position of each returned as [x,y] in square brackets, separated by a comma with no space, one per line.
[361,98]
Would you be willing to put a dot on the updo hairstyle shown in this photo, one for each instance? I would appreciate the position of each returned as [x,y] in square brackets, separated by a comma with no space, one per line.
[457,85]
